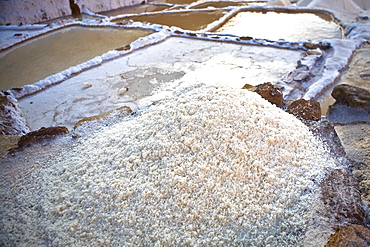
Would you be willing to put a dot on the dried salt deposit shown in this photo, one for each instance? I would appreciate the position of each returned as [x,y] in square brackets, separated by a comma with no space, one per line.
[209,166]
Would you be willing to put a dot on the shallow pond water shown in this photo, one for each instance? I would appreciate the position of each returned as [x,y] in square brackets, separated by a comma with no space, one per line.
[180,2]
[186,20]
[59,50]
[275,26]
[217,5]
[222,4]
[136,9]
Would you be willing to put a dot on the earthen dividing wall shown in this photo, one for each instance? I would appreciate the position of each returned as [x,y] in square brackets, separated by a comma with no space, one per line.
[19,12]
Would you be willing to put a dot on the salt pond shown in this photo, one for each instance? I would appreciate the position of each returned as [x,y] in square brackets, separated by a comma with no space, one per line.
[275,26]
[136,9]
[187,20]
[59,50]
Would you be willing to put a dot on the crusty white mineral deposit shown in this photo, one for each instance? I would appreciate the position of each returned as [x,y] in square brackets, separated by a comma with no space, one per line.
[209,166]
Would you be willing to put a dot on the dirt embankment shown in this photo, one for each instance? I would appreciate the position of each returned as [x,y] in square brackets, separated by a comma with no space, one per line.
[17,12]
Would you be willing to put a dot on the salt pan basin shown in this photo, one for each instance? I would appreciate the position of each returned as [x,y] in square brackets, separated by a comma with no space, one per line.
[275,26]
[191,20]
[174,1]
[206,166]
[54,52]
[135,9]
[150,74]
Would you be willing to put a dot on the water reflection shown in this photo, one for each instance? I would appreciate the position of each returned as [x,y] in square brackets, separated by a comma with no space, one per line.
[275,26]
[55,52]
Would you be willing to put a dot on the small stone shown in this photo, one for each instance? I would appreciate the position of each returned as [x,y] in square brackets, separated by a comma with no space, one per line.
[123,91]
[12,121]
[324,45]
[310,46]
[350,236]
[363,18]
[7,142]
[300,76]
[352,105]
[249,87]
[86,85]
[316,52]
[246,38]
[104,119]
[305,109]
[40,135]
[326,132]
[191,34]
[124,22]
[343,114]
[270,93]
[124,48]
[352,96]
[365,76]
[341,197]
[357,173]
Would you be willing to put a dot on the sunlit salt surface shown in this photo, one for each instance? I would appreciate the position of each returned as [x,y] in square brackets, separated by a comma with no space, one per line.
[275,26]
[6,32]
[52,53]
[72,18]
[186,20]
[209,166]
[147,75]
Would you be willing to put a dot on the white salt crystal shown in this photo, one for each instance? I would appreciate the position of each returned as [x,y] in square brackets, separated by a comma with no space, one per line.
[229,167]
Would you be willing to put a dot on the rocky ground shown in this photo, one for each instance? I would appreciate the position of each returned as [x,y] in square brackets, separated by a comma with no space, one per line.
[351,116]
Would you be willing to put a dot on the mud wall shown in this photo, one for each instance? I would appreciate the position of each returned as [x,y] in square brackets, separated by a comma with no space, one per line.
[104,5]
[364,4]
[27,12]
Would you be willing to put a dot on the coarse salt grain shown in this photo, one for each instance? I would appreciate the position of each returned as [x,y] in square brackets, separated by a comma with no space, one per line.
[209,166]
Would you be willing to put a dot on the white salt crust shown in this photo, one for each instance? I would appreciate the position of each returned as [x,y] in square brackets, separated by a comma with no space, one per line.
[207,167]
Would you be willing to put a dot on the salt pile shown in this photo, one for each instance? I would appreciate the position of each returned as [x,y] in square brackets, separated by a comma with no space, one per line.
[209,166]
